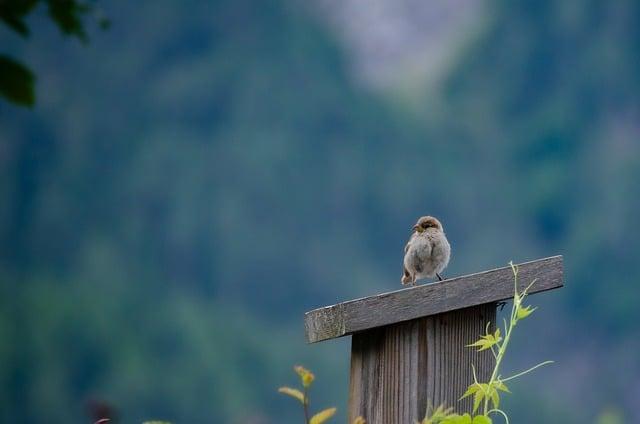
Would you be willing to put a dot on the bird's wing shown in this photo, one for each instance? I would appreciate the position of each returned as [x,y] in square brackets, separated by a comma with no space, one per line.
[406,275]
[406,247]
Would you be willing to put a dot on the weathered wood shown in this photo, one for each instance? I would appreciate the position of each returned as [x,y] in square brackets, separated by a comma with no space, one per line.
[397,370]
[430,299]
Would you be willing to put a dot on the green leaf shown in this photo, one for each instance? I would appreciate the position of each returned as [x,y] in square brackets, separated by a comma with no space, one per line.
[458,419]
[322,416]
[524,312]
[472,389]
[17,25]
[487,341]
[67,15]
[483,344]
[16,82]
[437,416]
[481,419]
[501,386]
[14,12]
[477,399]
[495,398]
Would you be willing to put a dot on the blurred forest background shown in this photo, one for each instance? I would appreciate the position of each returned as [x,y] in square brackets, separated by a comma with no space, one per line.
[203,172]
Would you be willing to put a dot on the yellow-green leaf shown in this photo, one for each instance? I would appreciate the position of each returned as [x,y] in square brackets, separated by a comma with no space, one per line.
[293,393]
[477,399]
[524,312]
[359,420]
[306,376]
[483,344]
[487,341]
[481,419]
[458,419]
[322,416]
[471,390]
[495,398]
[501,386]
[438,415]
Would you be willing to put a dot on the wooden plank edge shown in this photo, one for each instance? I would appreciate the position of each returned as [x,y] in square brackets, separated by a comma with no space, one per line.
[328,322]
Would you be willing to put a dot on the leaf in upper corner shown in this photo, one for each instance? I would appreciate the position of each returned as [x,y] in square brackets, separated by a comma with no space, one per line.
[322,416]
[68,17]
[295,393]
[16,82]
[17,25]
[13,14]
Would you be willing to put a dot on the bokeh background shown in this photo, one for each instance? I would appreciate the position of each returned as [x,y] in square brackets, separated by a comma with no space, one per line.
[196,177]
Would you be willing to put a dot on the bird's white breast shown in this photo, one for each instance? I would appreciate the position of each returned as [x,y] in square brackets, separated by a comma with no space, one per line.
[428,253]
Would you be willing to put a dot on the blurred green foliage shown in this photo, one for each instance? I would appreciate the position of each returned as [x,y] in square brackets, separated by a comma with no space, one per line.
[610,416]
[16,80]
[207,171]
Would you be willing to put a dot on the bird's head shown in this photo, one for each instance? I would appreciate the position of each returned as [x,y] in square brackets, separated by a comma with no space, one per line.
[427,222]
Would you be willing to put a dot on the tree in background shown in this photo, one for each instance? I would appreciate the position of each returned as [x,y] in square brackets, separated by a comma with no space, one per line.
[17,80]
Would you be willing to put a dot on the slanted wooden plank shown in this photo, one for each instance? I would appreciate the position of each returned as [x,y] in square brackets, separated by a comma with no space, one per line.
[430,299]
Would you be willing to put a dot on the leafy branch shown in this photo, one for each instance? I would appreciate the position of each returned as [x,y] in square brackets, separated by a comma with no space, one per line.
[485,394]
[306,378]
[488,394]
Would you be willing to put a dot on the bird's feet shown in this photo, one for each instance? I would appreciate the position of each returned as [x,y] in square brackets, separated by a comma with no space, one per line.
[439,277]
[407,278]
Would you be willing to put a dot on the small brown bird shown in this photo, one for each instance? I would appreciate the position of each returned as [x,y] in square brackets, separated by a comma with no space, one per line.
[427,252]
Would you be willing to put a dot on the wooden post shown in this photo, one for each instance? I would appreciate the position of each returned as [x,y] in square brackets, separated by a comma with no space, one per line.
[408,346]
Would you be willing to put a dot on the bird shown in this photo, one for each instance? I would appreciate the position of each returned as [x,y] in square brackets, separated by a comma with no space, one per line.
[427,253]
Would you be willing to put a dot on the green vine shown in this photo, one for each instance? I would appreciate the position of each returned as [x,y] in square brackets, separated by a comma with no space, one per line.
[488,394]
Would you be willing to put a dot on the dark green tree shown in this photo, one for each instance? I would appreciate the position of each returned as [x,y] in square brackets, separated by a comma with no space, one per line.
[17,81]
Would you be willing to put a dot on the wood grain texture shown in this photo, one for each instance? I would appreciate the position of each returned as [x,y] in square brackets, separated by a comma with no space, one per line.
[430,299]
[397,370]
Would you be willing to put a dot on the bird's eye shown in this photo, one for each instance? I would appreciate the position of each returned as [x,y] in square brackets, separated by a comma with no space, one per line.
[425,225]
